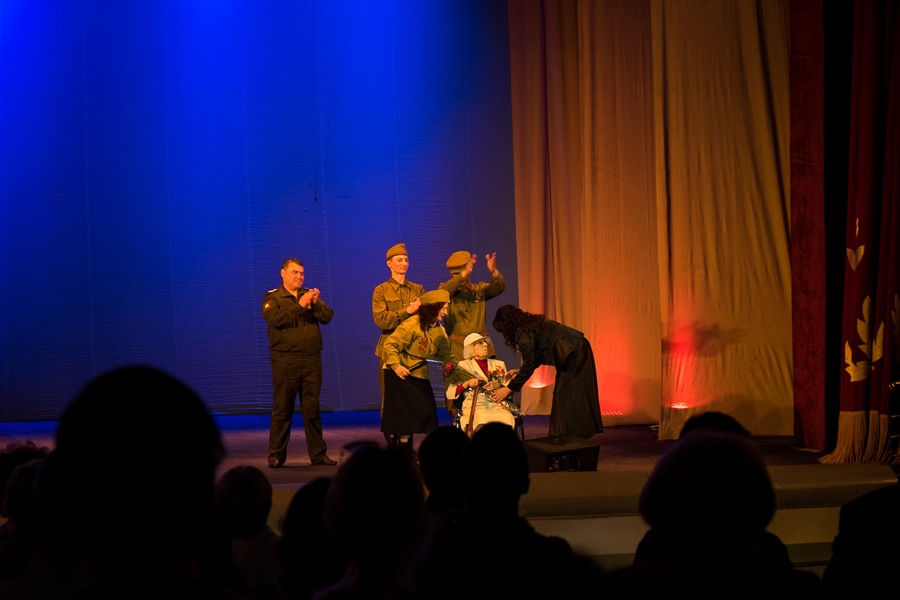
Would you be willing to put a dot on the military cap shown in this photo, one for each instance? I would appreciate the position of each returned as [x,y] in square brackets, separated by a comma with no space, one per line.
[435,296]
[395,250]
[458,261]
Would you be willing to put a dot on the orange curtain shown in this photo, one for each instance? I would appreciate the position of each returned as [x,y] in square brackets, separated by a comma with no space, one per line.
[652,206]
[582,111]
[722,126]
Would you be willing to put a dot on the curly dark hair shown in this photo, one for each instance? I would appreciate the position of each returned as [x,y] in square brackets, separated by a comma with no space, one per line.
[510,320]
[428,314]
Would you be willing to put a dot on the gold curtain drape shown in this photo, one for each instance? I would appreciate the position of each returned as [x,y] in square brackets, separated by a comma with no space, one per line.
[651,148]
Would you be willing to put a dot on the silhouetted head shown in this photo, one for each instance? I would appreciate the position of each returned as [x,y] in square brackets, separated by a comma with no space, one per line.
[135,459]
[439,458]
[494,469]
[714,421]
[710,494]
[13,456]
[245,494]
[19,503]
[309,555]
[303,527]
[376,508]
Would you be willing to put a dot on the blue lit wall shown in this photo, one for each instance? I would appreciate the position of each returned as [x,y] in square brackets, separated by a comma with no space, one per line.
[158,161]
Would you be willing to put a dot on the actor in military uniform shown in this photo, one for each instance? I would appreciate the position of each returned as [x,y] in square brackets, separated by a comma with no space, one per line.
[409,405]
[393,302]
[293,314]
[466,313]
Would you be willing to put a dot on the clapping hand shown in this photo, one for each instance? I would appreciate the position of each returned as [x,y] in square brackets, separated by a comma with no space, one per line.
[309,298]
[468,268]
[491,262]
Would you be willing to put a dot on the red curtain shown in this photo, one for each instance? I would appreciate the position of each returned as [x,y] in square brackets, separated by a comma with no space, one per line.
[871,306]
[808,231]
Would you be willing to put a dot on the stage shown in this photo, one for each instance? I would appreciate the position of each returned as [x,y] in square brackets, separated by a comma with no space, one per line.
[595,511]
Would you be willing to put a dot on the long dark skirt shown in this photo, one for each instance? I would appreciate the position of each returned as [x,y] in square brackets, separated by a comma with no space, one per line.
[409,405]
[576,402]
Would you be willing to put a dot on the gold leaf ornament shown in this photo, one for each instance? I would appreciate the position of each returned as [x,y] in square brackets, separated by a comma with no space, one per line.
[854,258]
[862,326]
[858,371]
[878,346]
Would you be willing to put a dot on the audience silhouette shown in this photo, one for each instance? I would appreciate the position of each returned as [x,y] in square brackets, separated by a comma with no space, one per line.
[18,536]
[769,547]
[713,420]
[375,508]
[14,455]
[19,464]
[865,552]
[490,551]
[245,495]
[708,502]
[125,496]
[128,507]
[440,454]
[308,554]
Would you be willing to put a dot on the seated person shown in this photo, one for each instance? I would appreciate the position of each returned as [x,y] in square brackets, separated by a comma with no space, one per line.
[492,374]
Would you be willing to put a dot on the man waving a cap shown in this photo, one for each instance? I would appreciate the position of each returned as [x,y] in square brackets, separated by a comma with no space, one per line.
[467,309]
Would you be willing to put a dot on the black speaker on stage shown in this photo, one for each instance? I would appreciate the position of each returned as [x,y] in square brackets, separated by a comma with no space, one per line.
[561,453]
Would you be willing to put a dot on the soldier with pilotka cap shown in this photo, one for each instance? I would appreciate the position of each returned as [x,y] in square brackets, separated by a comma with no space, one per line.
[466,313]
[394,301]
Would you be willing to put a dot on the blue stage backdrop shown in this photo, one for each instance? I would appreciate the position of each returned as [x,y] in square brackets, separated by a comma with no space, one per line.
[159,159]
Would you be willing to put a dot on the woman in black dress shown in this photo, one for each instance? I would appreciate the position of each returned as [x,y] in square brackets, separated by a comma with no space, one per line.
[541,341]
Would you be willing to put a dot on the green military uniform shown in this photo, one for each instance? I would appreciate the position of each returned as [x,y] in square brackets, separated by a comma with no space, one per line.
[295,347]
[389,303]
[466,312]
[408,345]
[409,405]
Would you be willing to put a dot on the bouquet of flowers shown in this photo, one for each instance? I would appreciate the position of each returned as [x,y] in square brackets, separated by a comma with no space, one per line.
[454,375]
[496,380]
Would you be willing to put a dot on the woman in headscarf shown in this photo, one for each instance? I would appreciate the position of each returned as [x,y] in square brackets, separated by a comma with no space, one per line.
[576,402]
[409,404]
[491,373]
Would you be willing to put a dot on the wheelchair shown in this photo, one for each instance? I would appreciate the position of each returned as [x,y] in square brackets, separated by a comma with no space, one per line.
[456,417]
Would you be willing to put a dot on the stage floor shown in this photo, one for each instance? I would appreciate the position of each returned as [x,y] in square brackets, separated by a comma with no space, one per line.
[621,448]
